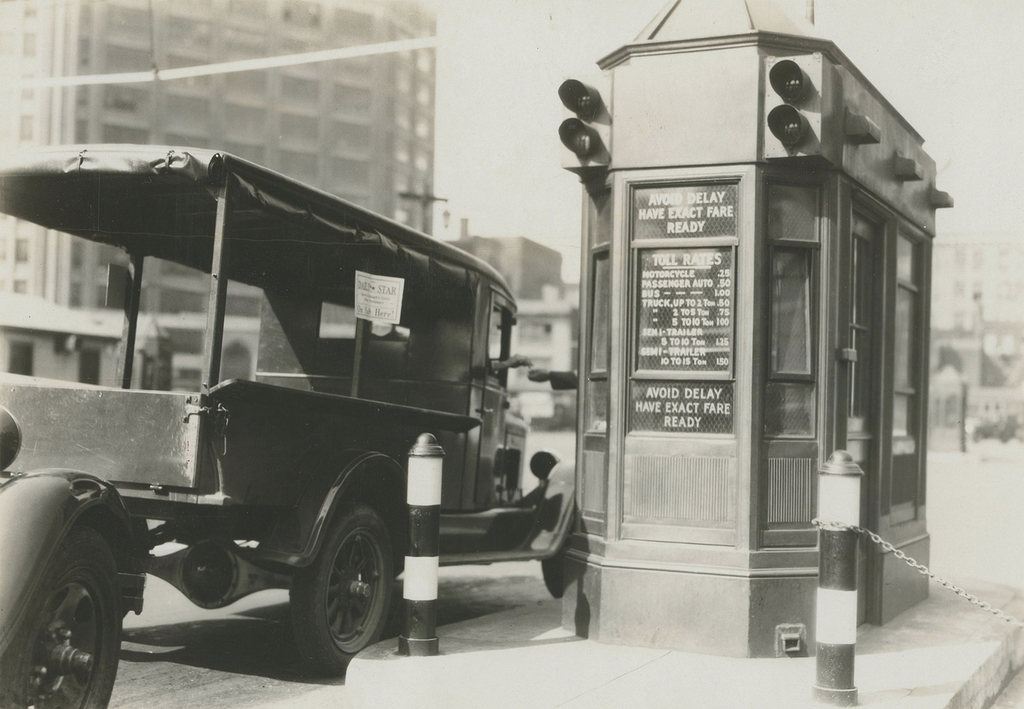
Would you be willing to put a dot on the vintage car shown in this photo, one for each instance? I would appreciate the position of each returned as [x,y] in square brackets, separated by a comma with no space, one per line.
[291,477]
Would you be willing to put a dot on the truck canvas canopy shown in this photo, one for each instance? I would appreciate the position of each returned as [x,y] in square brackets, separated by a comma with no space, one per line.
[162,202]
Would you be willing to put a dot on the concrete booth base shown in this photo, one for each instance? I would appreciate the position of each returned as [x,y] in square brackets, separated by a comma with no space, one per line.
[702,612]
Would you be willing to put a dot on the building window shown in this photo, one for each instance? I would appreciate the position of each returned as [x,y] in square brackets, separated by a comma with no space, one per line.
[21,250]
[89,366]
[352,23]
[301,13]
[244,150]
[28,49]
[85,48]
[534,332]
[303,129]
[351,137]
[302,166]
[26,129]
[20,358]
[351,98]
[349,172]
[127,59]
[189,141]
[253,83]
[20,285]
[122,98]
[249,8]
[303,90]
[124,134]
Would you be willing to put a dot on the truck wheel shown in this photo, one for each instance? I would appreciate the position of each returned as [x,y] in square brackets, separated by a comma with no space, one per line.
[65,648]
[339,603]
[553,569]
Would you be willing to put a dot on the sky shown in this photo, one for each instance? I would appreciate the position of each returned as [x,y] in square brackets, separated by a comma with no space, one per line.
[953,68]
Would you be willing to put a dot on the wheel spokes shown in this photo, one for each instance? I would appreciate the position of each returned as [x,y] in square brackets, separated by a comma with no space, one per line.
[352,586]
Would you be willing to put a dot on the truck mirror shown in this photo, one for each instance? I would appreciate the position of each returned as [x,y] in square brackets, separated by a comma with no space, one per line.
[542,463]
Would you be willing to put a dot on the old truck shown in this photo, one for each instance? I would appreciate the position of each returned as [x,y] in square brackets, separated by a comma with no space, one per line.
[290,473]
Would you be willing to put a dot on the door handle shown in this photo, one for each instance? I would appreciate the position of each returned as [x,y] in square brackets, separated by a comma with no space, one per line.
[485,410]
[846,354]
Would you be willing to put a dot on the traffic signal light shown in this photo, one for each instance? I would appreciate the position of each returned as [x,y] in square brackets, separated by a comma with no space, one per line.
[793,106]
[586,133]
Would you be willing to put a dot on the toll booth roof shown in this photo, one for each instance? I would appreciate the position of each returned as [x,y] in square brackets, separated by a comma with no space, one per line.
[161,201]
[698,19]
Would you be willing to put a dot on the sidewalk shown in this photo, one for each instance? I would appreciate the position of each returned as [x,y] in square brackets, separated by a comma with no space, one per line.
[942,653]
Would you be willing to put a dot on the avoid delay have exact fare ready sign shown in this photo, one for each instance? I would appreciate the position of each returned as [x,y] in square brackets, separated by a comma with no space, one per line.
[685,309]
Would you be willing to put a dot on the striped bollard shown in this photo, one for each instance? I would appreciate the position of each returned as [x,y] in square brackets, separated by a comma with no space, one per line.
[839,482]
[419,629]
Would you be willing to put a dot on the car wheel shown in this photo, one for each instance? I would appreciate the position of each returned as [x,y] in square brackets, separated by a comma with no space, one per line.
[66,646]
[339,603]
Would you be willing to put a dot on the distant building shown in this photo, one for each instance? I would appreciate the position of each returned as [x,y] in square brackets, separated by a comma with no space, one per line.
[43,339]
[529,267]
[977,331]
[547,329]
[978,307]
[361,128]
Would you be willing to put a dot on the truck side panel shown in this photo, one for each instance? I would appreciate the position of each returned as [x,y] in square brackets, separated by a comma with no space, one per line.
[114,434]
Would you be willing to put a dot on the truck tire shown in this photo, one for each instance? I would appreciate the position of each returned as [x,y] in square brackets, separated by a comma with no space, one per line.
[553,569]
[339,603]
[66,647]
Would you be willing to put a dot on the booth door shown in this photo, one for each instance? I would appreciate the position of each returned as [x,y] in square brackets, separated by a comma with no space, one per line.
[863,384]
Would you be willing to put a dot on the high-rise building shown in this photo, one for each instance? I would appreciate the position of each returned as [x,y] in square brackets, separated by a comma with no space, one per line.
[361,127]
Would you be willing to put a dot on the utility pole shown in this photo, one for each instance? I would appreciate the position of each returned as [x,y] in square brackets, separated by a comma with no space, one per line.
[426,199]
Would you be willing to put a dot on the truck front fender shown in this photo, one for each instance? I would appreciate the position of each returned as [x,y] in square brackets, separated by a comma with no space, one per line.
[36,511]
[555,516]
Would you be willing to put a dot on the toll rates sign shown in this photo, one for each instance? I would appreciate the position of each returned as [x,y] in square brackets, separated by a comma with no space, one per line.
[684,211]
[685,313]
[681,407]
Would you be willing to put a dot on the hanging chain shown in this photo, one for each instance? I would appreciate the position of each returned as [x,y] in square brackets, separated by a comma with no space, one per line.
[921,568]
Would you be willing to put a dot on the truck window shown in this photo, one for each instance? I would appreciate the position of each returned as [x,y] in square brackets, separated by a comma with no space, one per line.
[499,340]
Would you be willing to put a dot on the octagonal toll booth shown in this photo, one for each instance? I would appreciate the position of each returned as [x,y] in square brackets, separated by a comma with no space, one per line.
[758,221]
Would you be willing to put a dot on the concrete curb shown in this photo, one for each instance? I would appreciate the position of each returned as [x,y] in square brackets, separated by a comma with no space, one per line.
[942,654]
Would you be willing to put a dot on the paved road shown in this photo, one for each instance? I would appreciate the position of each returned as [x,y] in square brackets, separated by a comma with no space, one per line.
[176,654]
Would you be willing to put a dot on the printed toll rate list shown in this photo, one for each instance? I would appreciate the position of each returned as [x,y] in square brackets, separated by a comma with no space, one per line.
[685,316]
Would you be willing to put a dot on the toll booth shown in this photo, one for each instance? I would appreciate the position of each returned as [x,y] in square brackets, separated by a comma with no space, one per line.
[757,232]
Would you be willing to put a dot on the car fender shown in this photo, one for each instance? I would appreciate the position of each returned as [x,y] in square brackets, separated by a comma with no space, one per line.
[36,511]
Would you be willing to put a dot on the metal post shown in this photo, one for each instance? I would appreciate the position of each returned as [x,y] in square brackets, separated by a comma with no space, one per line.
[419,629]
[839,482]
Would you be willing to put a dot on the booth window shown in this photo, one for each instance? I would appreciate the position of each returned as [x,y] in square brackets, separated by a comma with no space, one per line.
[597,368]
[793,234]
[906,372]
